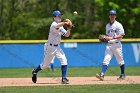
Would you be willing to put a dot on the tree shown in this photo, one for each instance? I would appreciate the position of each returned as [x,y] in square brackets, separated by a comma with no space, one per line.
[30,19]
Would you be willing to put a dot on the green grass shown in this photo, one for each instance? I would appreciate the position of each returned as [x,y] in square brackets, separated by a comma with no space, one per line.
[72,71]
[133,88]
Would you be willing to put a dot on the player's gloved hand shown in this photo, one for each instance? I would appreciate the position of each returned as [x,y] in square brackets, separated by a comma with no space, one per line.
[68,24]
[108,38]
[103,38]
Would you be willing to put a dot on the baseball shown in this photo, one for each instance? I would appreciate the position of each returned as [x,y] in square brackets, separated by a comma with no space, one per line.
[75,12]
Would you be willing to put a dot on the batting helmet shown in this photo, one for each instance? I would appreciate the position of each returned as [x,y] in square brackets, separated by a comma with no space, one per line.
[57,13]
[112,12]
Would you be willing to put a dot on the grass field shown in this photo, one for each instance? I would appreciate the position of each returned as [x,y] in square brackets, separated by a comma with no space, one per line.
[72,72]
[74,89]
[75,72]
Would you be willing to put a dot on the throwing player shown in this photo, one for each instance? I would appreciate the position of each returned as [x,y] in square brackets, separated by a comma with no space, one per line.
[114,32]
[53,47]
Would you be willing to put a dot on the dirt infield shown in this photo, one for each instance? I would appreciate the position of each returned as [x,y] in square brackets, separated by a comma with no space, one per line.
[73,81]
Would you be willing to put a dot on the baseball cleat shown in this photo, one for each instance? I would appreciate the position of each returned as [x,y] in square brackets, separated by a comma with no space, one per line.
[34,77]
[65,81]
[122,77]
[100,76]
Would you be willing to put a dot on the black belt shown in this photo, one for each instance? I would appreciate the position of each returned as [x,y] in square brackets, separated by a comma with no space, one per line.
[113,42]
[55,45]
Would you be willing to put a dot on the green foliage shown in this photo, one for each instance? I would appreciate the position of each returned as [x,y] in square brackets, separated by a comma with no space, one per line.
[31,19]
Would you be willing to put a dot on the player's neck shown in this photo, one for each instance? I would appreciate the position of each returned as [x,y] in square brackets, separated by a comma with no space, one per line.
[111,22]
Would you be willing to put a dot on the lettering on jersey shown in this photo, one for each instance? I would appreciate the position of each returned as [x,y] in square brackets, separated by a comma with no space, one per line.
[136,51]
[60,30]
[112,32]
[70,45]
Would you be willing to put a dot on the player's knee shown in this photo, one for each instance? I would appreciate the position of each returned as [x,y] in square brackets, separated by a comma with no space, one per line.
[105,63]
[121,63]
[43,66]
[64,63]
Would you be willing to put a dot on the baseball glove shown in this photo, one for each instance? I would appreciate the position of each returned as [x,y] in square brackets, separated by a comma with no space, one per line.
[102,38]
[69,24]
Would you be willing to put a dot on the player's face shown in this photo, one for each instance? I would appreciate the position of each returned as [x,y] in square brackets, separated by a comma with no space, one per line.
[112,17]
[57,19]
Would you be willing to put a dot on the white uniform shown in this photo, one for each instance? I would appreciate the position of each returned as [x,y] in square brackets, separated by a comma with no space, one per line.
[52,47]
[114,47]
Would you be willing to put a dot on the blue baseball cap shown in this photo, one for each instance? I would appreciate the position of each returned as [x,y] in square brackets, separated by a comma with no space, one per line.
[112,12]
[57,13]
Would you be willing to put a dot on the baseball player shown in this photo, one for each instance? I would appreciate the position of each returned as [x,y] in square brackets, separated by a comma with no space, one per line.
[114,32]
[52,48]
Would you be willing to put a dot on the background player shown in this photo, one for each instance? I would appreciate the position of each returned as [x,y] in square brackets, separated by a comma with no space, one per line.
[114,32]
[53,47]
